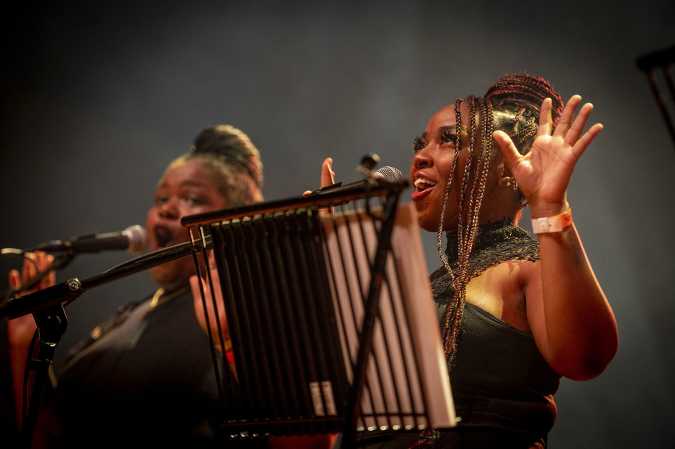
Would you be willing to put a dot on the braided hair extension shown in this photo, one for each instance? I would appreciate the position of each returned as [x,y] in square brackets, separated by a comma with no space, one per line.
[512,104]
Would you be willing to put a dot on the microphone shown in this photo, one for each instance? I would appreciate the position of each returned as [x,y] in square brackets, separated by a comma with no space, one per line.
[386,174]
[132,238]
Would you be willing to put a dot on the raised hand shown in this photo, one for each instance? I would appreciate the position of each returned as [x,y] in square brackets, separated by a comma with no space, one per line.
[34,264]
[544,173]
[327,175]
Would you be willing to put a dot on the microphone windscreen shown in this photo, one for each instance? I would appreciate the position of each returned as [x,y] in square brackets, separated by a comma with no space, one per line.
[137,236]
[389,174]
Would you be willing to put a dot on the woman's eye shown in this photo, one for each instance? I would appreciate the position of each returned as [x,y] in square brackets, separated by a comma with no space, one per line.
[448,136]
[194,200]
[418,144]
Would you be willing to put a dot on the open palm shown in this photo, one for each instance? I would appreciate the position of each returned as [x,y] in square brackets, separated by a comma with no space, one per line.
[544,173]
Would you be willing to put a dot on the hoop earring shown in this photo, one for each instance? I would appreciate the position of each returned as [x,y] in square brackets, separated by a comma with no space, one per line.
[509,182]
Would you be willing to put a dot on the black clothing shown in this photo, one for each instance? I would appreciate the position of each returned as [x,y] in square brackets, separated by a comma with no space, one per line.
[502,386]
[500,380]
[145,377]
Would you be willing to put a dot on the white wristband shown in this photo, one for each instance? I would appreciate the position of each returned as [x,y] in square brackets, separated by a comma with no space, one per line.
[555,223]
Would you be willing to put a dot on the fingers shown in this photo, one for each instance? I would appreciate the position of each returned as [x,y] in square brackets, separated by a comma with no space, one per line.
[44,263]
[583,143]
[545,118]
[566,117]
[509,151]
[29,268]
[579,123]
[327,173]
[14,279]
[34,264]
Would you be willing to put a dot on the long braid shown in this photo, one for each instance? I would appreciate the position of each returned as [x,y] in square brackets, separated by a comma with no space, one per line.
[446,195]
[512,104]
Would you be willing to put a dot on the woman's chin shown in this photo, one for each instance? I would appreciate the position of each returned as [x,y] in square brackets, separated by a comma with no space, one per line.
[427,222]
[168,276]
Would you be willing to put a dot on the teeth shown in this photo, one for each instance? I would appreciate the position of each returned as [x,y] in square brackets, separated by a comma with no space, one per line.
[423,184]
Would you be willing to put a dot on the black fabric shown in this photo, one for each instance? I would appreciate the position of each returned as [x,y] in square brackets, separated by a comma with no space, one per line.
[500,380]
[502,386]
[148,380]
[8,429]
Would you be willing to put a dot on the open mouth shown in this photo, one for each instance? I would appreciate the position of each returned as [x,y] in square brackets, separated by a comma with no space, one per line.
[422,187]
[163,236]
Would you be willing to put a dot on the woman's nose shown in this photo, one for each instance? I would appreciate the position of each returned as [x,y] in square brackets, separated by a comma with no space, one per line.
[169,210]
[422,159]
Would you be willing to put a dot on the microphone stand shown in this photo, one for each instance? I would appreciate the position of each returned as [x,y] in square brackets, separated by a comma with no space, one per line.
[47,307]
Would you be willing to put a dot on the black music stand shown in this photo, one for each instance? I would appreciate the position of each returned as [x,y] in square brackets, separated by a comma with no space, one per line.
[284,373]
[650,63]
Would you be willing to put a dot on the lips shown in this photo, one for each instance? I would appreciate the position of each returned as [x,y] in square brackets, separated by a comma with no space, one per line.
[163,235]
[422,187]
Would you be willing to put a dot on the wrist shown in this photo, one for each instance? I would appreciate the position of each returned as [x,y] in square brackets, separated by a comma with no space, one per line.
[541,210]
[552,224]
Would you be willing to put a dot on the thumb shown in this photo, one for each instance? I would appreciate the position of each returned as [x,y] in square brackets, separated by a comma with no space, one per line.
[508,149]
[327,173]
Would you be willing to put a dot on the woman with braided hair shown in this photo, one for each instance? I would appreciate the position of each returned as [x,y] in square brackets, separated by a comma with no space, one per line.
[516,313]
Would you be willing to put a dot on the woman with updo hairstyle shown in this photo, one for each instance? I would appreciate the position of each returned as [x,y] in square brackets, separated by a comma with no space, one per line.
[145,378]
[516,312]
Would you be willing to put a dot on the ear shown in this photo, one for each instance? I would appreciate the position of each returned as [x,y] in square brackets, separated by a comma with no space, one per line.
[502,171]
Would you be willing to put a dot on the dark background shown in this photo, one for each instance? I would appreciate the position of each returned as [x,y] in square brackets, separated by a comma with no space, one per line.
[96,100]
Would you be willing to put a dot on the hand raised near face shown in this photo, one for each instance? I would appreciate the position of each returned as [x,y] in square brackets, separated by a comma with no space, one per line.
[327,175]
[544,173]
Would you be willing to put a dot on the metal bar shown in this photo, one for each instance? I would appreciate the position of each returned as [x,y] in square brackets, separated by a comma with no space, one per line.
[372,306]
[214,356]
[277,227]
[326,310]
[669,81]
[296,299]
[288,395]
[253,302]
[661,105]
[268,327]
[231,313]
[313,201]
[377,368]
[352,360]
[249,374]
[388,352]
[307,297]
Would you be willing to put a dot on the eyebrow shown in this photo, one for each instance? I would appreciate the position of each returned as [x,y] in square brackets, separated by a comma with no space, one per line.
[186,183]
[192,183]
[422,137]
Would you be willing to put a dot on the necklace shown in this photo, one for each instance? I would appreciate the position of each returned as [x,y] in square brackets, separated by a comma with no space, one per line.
[496,242]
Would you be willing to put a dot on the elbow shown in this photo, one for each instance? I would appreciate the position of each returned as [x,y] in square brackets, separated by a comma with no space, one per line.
[587,363]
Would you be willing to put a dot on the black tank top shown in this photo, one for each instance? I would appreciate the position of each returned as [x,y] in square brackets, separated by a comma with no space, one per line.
[500,379]
[502,386]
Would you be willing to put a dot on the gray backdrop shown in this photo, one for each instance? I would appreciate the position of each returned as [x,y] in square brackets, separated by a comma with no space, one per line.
[97,100]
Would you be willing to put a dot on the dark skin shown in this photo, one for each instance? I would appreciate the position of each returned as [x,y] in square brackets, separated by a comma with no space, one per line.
[558,298]
[186,188]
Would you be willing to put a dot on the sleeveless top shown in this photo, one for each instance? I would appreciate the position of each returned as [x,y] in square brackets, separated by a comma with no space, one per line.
[500,381]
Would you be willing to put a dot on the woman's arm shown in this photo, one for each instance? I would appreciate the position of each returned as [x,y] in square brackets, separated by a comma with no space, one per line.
[570,317]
